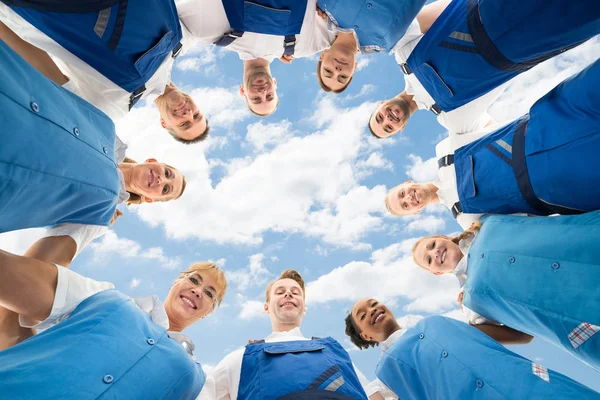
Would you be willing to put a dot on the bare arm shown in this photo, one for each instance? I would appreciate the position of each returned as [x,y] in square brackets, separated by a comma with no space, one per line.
[376,396]
[430,13]
[27,285]
[37,58]
[53,249]
[504,334]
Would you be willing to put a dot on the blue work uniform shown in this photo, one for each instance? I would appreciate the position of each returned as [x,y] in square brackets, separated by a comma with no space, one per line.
[379,25]
[475,46]
[126,41]
[441,359]
[106,349]
[270,17]
[301,369]
[539,275]
[542,163]
[57,157]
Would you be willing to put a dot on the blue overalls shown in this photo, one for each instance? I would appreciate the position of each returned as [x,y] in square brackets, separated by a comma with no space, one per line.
[126,40]
[303,369]
[475,46]
[379,25]
[539,275]
[106,349]
[442,359]
[57,153]
[542,163]
[270,17]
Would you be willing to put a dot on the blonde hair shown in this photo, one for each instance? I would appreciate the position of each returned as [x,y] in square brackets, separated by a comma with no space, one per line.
[474,228]
[135,198]
[215,271]
[287,274]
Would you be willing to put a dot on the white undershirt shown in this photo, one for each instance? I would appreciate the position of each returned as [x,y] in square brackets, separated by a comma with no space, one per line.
[207,22]
[470,117]
[223,383]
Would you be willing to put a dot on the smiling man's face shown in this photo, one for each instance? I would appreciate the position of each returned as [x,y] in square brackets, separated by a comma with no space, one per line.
[286,303]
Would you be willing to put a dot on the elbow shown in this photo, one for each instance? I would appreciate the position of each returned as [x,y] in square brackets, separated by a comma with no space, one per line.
[525,338]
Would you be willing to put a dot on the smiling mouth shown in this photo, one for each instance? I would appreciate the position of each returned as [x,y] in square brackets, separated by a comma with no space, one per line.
[416,196]
[287,303]
[392,115]
[377,317]
[150,178]
[188,302]
[443,257]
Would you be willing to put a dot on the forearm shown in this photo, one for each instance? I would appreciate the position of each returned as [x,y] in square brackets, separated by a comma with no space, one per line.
[11,332]
[58,250]
[36,57]
[430,13]
[504,334]
[27,285]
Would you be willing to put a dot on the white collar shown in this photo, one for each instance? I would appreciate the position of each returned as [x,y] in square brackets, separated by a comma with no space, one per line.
[461,268]
[293,332]
[387,343]
[120,149]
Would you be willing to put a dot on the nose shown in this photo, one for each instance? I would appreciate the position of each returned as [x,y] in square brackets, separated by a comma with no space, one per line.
[196,294]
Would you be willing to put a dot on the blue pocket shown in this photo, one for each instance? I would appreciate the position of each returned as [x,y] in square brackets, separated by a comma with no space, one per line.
[152,58]
[433,83]
[265,19]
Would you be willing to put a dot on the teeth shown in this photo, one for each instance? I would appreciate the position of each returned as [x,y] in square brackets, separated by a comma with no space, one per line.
[189,302]
[444,256]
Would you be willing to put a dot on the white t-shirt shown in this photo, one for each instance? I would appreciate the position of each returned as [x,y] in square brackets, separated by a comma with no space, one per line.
[470,117]
[207,22]
[224,381]
[84,234]
[85,81]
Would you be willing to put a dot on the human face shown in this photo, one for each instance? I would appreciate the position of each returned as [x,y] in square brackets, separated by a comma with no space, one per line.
[337,67]
[439,255]
[286,303]
[374,320]
[390,117]
[155,181]
[179,113]
[260,91]
[191,298]
[409,198]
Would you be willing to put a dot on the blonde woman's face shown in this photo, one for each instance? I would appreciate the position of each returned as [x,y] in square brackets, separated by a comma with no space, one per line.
[155,181]
[438,255]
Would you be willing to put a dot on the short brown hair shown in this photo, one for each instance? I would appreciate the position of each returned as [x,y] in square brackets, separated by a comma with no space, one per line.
[135,198]
[215,271]
[327,88]
[287,274]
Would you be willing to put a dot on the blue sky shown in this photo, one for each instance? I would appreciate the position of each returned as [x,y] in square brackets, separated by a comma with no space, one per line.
[301,189]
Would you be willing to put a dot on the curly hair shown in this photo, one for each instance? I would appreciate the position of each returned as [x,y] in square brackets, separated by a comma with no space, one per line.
[354,334]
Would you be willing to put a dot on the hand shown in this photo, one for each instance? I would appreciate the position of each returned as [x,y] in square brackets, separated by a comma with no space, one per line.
[459,299]
[321,14]
[116,215]
[286,59]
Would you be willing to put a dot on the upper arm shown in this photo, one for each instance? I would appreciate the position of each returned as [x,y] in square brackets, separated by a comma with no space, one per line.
[54,249]
[27,285]
[430,13]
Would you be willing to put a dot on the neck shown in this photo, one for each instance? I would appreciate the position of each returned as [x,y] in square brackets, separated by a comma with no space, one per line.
[433,197]
[395,329]
[409,99]
[175,327]
[126,169]
[345,40]
[284,327]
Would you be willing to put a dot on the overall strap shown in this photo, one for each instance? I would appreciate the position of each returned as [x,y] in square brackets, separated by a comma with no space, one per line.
[491,53]
[521,172]
[446,161]
[289,45]
[228,38]
[406,70]
[456,209]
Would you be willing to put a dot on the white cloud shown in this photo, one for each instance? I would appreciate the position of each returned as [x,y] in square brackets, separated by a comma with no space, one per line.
[363,62]
[111,245]
[200,58]
[391,274]
[252,309]
[429,224]
[134,283]
[304,184]
[421,171]
[260,134]
[364,90]
[254,275]
[533,84]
